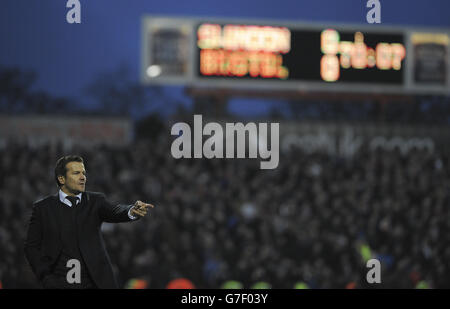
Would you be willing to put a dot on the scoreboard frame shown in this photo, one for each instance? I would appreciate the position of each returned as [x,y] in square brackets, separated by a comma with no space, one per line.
[187,27]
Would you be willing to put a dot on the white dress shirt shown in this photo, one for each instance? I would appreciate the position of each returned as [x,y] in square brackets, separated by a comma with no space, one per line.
[62,198]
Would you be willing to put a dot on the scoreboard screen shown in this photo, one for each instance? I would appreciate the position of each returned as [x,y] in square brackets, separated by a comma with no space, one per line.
[270,52]
[294,56]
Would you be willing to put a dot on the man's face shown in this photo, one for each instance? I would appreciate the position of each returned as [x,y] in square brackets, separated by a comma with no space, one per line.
[75,180]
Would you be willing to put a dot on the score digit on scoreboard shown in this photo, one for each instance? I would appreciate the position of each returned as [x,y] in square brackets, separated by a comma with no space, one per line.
[356,55]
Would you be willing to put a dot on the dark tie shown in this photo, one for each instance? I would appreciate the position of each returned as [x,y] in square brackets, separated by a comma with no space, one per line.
[72,199]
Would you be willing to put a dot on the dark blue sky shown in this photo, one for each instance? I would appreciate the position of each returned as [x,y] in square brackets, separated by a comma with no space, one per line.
[34,34]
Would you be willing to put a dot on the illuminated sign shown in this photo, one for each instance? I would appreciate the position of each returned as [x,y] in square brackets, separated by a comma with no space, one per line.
[223,53]
[356,55]
[270,52]
[239,50]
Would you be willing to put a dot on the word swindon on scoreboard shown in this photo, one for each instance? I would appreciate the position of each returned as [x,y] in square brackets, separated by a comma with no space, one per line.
[238,50]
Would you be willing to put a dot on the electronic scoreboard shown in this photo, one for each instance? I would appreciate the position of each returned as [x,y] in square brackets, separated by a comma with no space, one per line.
[269,55]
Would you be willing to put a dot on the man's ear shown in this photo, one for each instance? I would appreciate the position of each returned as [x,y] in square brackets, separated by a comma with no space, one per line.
[62,179]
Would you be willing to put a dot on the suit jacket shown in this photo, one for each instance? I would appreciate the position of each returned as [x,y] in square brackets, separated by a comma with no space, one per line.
[43,242]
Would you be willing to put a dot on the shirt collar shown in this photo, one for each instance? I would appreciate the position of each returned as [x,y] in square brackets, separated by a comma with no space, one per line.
[62,198]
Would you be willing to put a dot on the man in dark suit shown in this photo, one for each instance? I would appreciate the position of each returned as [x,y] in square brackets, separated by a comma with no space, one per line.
[64,231]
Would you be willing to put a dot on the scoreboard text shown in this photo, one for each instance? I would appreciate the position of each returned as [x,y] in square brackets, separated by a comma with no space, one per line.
[269,52]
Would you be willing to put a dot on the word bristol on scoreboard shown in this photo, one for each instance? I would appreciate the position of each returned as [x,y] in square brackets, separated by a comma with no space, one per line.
[294,56]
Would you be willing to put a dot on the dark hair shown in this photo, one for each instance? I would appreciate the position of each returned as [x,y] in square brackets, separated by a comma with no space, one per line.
[61,169]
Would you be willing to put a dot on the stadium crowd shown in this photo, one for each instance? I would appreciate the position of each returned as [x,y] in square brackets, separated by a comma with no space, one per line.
[315,219]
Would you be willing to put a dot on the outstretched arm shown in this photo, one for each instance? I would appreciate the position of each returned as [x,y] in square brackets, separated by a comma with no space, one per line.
[121,213]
